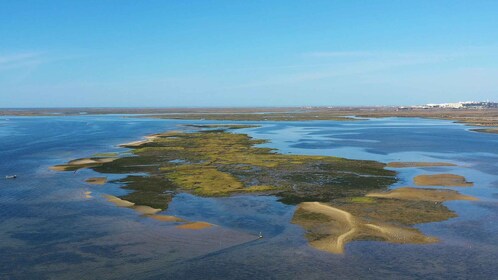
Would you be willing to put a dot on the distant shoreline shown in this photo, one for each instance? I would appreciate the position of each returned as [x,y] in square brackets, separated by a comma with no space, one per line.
[486,118]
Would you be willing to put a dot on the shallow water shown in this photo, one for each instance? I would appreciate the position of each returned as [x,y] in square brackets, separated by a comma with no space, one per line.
[49,229]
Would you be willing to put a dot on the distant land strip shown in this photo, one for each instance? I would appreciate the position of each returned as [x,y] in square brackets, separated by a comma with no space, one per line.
[485,118]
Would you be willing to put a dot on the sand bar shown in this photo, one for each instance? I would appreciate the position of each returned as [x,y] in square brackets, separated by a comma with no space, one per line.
[88,194]
[118,201]
[399,164]
[342,227]
[85,161]
[435,195]
[81,163]
[146,210]
[97,180]
[445,180]
[148,139]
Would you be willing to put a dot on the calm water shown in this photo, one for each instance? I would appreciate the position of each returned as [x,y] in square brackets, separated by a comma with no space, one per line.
[50,230]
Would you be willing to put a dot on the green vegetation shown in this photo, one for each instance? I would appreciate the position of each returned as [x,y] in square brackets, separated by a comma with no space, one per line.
[214,162]
[106,155]
[362,199]
[396,211]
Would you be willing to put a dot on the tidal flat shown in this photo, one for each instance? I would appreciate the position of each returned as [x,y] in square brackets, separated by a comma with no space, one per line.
[213,161]
[321,193]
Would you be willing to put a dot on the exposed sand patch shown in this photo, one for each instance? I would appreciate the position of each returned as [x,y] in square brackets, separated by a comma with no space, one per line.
[398,164]
[118,201]
[434,195]
[142,209]
[97,180]
[146,210]
[195,225]
[330,229]
[148,139]
[134,143]
[401,235]
[166,218]
[344,230]
[446,180]
[58,168]
[85,161]
[81,163]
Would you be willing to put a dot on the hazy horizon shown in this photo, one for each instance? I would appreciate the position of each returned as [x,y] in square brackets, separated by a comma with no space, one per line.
[158,54]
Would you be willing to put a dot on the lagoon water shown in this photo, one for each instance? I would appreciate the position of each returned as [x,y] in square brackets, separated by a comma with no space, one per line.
[50,229]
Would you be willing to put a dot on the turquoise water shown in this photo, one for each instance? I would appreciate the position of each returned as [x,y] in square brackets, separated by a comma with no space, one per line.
[49,229]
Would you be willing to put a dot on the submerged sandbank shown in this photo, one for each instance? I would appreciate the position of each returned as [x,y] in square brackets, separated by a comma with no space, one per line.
[152,212]
[195,225]
[167,218]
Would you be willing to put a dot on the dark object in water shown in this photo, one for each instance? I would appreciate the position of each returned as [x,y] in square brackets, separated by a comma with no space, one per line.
[10,176]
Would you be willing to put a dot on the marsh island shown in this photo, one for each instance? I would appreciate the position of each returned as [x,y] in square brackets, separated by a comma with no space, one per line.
[337,200]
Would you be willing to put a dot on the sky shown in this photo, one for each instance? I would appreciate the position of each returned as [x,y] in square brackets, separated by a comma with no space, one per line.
[103,53]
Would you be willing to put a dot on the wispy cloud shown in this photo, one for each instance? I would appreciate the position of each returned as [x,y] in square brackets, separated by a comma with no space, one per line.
[16,60]
[388,54]
[335,64]
[18,67]
[339,54]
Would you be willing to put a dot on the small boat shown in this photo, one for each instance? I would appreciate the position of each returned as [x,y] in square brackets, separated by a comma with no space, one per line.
[10,176]
[260,235]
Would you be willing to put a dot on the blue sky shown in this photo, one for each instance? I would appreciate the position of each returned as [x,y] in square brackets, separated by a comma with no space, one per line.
[246,53]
